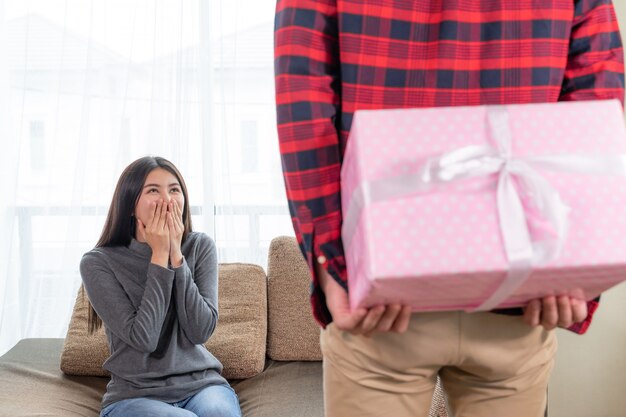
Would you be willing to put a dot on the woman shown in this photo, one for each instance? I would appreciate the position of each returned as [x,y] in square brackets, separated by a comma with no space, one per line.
[153,282]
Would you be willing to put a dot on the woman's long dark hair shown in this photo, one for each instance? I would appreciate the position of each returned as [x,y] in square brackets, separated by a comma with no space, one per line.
[119,228]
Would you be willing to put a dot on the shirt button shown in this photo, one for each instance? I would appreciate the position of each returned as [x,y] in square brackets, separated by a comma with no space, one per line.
[321,259]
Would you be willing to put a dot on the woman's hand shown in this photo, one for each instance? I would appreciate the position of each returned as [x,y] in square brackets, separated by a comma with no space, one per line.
[156,234]
[176,229]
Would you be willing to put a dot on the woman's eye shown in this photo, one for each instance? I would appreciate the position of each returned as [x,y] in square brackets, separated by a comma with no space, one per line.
[153,190]
[175,190]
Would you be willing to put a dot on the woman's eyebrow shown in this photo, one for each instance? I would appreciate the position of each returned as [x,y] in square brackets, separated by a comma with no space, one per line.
[174,184]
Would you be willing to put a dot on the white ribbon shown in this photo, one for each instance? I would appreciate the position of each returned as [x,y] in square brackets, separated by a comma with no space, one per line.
[522,250]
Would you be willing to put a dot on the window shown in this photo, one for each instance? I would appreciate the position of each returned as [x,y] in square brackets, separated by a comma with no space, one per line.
[37,145]
[249,146]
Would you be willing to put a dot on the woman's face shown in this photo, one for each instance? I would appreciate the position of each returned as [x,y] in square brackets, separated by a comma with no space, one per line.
[160,185]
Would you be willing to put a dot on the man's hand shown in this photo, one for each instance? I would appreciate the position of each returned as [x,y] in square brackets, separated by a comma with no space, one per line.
[551,311]
[379,319]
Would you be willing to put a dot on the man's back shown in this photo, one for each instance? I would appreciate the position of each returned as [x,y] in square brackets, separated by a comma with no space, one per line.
[336,57]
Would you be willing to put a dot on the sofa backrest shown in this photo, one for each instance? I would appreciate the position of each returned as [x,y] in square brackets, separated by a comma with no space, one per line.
[292,331]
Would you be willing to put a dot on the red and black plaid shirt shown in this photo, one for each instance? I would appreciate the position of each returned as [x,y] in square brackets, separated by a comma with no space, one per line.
[333,57]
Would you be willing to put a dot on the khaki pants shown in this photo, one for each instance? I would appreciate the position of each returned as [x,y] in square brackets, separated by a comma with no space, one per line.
[490,365]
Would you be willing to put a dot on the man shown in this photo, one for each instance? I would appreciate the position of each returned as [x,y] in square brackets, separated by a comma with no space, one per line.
[333,57]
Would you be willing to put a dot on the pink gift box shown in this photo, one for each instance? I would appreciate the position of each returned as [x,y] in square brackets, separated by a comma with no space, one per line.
[441,247]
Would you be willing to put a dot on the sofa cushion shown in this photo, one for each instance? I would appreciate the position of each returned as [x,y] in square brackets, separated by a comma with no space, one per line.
[283,389]
[83,354]
[292,333]
[238,342]
[239,339]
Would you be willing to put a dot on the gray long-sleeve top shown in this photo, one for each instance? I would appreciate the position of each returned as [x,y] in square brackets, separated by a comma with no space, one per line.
[156,319]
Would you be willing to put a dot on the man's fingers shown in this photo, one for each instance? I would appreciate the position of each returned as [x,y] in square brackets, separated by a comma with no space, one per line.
[565,311]
[562,311]
[339,305]
[349,321]
[388,318]
[532,313]
[402,321]
[579,310]
[549,313]
[371,319]
[396,318]
[365,321]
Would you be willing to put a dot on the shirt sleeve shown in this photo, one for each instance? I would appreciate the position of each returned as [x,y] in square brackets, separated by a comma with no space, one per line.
[581,328]
[138,327]
[595,71]
[196,293]
[307,100]
[595,64]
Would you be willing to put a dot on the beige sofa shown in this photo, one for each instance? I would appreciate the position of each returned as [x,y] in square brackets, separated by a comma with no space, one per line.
[266,338]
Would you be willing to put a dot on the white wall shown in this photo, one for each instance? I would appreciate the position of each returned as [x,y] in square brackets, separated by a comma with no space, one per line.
[590,375]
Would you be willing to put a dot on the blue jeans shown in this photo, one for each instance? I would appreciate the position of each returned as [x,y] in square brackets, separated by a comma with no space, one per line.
[213,401]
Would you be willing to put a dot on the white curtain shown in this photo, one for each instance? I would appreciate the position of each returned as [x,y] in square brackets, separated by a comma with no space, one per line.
[88,86]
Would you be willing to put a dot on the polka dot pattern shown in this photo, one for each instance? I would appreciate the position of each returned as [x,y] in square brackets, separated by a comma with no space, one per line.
[443,249]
